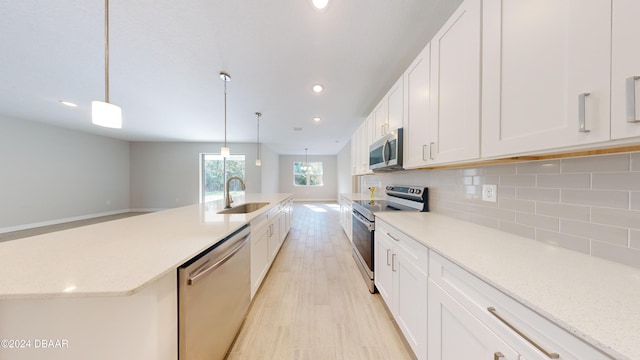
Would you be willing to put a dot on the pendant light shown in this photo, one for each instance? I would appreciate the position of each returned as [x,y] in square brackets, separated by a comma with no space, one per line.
[104,113]
[224,151]
[258,161]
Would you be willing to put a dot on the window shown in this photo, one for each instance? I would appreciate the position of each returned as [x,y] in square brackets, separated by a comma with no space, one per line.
[213,175]
[309,175]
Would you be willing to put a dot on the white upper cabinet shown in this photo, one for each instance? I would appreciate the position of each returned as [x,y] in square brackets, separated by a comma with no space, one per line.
[416,90]
[454,131]
[395,101]
[388,114]
[625,81]
[546,73]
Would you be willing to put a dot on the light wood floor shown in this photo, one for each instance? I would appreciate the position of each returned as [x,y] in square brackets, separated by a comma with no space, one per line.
[314,304]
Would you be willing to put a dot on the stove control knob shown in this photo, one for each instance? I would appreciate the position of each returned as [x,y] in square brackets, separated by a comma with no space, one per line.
[412,191]
[389,187]
[418,191]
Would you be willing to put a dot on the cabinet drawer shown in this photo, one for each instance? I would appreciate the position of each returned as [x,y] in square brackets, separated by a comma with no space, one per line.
[495,309]
[412,250]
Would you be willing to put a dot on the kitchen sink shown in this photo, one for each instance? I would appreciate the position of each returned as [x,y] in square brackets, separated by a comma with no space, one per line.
[244,208]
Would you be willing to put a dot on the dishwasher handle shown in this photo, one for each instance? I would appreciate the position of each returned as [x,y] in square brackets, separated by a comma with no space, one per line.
[204,272]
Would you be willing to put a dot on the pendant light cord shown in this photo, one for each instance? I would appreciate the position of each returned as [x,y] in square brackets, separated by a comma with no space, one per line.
[225,113]
[106,50]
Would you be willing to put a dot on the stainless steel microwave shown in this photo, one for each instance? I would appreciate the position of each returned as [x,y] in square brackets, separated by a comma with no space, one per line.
[386,153]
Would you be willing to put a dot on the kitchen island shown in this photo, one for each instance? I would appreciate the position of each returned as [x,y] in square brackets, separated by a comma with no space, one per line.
[107,290]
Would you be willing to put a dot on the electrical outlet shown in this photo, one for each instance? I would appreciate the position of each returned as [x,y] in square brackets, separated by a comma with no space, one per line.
[490,193]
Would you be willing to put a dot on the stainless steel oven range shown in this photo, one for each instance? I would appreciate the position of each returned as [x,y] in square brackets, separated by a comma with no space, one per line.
[398,198]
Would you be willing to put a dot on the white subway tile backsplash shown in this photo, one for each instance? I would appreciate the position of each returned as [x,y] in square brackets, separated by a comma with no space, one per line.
[538,167]
[613,235]
[588,204]
[538,221]
[596,164]
[565,181]
[634,239]
[619,254]
[517,205]
[564,211]
[617,181]
[518,180]
[518,229]
[635,200]
[616,217]
[563,240]
[605,198]
[635,161]
[505,169]
[548,195]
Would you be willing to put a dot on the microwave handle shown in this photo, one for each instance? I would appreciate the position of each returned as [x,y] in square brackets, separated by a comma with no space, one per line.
[384,152]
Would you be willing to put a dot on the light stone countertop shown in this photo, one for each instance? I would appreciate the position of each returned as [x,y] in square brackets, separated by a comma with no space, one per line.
[119,257]
[594,299]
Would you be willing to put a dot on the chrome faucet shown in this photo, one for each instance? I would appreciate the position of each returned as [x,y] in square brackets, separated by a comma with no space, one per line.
[227,196]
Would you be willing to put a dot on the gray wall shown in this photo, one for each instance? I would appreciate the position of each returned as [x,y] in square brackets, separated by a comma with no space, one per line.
[344,170]
[588,204]
[49,174]
[328,192]
[270,171]
[167,174]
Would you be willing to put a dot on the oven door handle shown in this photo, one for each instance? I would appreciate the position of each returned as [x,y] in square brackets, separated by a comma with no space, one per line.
[363,220]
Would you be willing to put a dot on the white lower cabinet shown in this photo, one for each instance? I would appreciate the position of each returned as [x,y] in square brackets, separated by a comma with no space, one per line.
[448,313]
[346,217]
[401,278]
[454,333]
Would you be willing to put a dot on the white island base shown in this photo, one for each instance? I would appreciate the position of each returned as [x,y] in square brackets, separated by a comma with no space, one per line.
[141,326]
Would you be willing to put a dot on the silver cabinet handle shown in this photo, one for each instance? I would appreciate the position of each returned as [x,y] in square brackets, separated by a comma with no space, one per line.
[431,150]
[393,262]
[388,251]
[631,99]
[550,355]
[424,151]
[582,112]
[391,236]
[498,355]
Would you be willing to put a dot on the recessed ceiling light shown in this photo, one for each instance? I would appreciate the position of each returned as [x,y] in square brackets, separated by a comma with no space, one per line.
[317,88]
[316,119]
[67,103]
[320,4]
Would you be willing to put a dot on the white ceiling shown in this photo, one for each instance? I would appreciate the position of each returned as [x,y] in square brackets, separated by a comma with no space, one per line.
[165,57]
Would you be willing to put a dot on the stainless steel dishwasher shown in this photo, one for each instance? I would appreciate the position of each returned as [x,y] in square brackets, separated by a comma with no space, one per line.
[214,290]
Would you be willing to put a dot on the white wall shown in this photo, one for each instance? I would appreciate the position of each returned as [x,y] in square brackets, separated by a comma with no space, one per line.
[49,174]
[167,174]
[270,170]
[328,192]
[345,182]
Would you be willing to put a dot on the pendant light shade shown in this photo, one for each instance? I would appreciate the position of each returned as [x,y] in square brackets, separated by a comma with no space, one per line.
[225,151]
[258,161]
[104,113]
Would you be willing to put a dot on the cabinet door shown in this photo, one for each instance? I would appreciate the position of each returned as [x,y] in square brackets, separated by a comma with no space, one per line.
[259,256]
[274,239]
[455,87]
[282,219]
[625,65]
[540,59]
[416,84]
[384,266]
[395,107]
[454,333]
[410,289]
[380,114]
